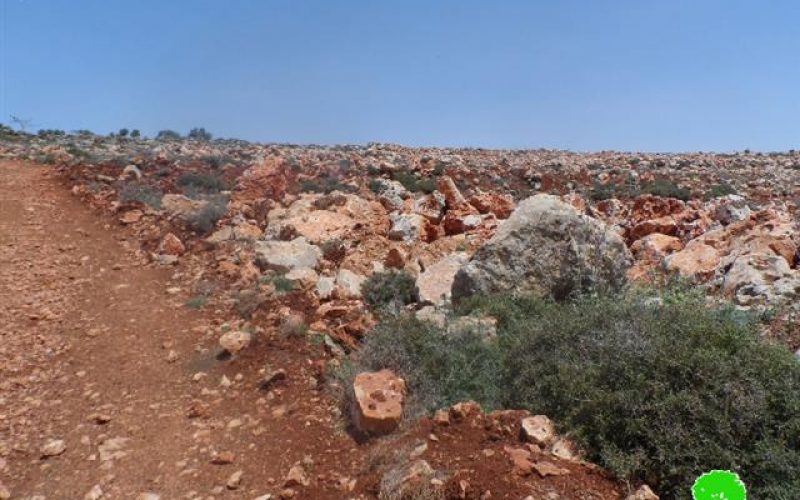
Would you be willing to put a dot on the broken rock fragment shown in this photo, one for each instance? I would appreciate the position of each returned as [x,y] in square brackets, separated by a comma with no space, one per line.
[379,400]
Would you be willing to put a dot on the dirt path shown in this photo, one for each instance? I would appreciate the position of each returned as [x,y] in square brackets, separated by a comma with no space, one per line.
[95,350]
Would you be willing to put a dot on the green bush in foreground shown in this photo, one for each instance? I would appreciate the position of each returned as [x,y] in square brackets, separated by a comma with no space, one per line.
[389,291]
[655,389]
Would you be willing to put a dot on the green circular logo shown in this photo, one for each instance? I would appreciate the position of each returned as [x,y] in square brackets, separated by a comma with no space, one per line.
[719,485]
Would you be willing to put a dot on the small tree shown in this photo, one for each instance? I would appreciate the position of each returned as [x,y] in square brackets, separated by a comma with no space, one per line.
[168,135]
[21,123]
[123,132]
[199,134]
[135,133]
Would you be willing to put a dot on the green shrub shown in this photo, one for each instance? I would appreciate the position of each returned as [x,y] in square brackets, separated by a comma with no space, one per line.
[196,184]
[144,193]
[440,369]
[717,190]
[123,132]
[654,388]
[602,192]
[376,186]
[334,250]
[325,185]
[51,132]
[667,189]
[217,161]
[199,134]
[135,133]
[414,183]
[205,219]
[77,152]
[197,302]
[282,284]
[168,135]
[629,189]
[389,291]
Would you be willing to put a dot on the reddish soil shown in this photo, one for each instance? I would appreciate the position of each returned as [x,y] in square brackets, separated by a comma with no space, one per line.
[98,349]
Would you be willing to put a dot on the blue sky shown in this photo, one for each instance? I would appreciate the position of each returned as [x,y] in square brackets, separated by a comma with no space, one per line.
[640,75]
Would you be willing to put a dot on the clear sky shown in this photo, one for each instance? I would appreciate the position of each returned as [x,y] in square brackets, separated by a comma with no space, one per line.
[646,75]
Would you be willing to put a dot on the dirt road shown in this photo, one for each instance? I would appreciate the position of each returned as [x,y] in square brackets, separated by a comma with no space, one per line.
[104,368]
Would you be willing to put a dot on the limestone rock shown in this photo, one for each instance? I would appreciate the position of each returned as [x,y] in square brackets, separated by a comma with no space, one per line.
[731,208]
[349,283]
[283,256]
[406,227]
[180,205]
[642,493]
[546,248]
[436,283]
[235,340]
[54,448]
[538,429]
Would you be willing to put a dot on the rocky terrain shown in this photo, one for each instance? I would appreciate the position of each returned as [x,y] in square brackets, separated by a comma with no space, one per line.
[248,264]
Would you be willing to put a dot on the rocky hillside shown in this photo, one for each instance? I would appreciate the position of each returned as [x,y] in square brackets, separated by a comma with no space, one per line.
[296,239]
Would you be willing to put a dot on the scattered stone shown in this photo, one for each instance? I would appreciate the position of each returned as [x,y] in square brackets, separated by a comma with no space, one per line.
[296,477]
[406,227]
[235,341]
[171,245]
[325,287]
[395,258]
[565,449]
[539,430]
[131,216]
[379,400]
[113,449]
[234,480]
[283,256]
[642,493]
[96,493]
[545,469]
[53,448]
[148,496]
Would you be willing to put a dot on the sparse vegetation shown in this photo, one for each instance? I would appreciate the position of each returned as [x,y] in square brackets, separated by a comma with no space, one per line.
[199,134]
[247,302]
[205,219]
[376,186]
[196,184]
[414,183]
[389,291]
[141,192]
[282,284]
[667,189]
[293,326]
[717,190]
[168,135]
[334,250]
[629,189]
[326,185]
[655,387]
[197,302]
[51,132]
